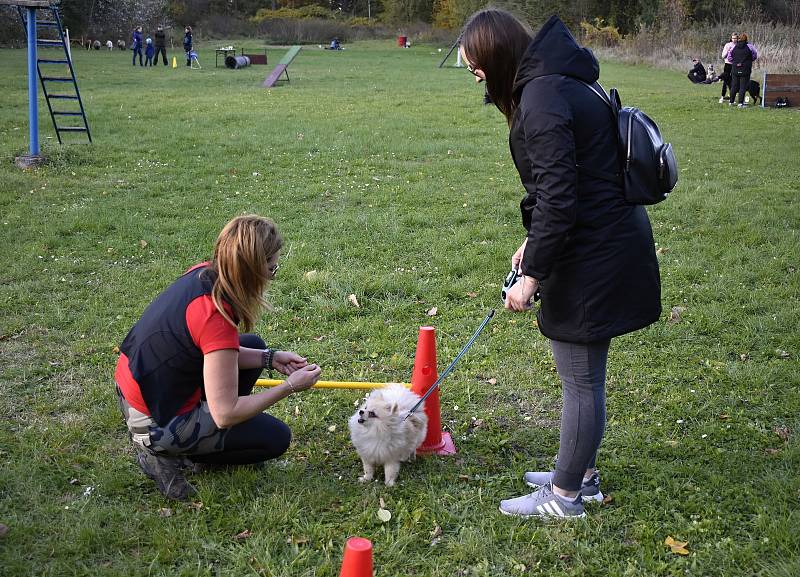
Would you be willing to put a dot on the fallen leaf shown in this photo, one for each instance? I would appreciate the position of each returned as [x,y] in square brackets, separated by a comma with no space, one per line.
[3,530]
[353,301]
[744,356]
[332,428]
[662,250]
[196,505]
[771,451]
[143,243]
[165,512]
[783,432]
[246,534]
[678,547]
[382,502]
[782,354]
[608,499]
[319,338]
[437,531]
[464,477]
[115,350]
[310,275]
[472,295]
[492,381]
[675,314]
[384,515]
[74,482]
[296,410]
[724,417]
[432,312]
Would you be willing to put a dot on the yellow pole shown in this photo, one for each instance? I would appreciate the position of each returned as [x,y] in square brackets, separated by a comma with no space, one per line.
[334,384]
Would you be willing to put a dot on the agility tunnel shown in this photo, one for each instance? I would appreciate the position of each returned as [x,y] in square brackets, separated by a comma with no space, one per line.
[236,62]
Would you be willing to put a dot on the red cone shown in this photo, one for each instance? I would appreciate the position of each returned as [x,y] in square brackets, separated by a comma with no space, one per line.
[357,560]
[424,375]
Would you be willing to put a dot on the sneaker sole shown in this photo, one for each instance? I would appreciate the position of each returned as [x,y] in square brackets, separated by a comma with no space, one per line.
[544,517]
[596,498]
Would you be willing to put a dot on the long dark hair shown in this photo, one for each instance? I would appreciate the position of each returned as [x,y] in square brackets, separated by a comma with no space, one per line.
[494,41]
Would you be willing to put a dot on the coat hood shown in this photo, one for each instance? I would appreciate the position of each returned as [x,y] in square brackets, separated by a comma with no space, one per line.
[555,51]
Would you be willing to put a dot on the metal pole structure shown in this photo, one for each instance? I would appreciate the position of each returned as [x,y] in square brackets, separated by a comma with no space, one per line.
[33,88]
[334,384]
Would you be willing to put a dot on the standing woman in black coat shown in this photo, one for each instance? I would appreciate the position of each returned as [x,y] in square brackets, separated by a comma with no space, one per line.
[742,67]
[588,253]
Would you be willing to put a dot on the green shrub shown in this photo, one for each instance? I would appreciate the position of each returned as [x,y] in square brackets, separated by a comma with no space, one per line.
[304,12]
[600,33]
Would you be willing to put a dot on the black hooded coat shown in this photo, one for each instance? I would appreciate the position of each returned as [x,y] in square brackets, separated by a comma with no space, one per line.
[592,252]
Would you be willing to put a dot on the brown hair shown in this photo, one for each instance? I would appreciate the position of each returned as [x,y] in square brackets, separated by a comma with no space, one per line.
[495,41]
[743,37]
[240,267]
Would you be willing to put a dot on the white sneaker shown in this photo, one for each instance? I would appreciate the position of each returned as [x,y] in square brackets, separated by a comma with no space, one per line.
[590,488]
[722,99]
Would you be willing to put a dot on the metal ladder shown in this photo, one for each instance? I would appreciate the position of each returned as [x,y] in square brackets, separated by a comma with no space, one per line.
[51,77]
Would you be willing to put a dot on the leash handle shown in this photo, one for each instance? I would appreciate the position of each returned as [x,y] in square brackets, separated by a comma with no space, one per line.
[449,368]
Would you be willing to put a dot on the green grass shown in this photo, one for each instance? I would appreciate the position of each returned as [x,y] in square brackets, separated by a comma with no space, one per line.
[389,178]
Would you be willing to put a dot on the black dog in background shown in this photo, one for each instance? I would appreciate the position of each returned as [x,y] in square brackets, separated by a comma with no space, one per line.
[698,75]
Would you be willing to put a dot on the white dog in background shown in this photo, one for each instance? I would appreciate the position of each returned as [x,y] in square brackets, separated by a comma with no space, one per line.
[382,437]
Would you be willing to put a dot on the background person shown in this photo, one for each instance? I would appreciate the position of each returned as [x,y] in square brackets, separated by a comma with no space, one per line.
[187,44]
[148,51]
[160,45]
[697,74]
[728,64]
[136,45]
[185,375]
[588,253]
[742,57]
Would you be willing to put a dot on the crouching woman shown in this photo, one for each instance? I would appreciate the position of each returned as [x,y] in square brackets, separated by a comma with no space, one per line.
[185,375]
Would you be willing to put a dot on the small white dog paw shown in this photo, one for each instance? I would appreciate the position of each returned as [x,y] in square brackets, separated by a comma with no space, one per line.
[364,479]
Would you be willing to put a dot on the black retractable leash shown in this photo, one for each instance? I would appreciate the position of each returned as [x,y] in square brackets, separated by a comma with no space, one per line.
[453,364]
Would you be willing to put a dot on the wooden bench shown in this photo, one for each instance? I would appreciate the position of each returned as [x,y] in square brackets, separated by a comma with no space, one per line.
[777,86]
[281,68]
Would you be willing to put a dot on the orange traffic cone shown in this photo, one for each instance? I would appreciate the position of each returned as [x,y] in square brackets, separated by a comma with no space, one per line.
[424,375]
[357,560]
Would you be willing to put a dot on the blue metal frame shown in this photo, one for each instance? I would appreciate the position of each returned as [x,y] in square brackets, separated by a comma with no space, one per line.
[34,60]
[33,90]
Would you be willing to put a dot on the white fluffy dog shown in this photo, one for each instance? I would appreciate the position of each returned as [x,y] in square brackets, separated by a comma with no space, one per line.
[382,437]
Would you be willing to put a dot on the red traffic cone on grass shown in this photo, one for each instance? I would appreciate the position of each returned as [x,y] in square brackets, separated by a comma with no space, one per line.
[357,560]
[423,376]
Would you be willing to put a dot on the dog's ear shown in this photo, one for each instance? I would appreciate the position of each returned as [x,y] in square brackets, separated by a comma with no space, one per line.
[393,408]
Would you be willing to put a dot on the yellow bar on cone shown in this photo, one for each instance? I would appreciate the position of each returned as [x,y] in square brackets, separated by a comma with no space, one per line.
[334,384]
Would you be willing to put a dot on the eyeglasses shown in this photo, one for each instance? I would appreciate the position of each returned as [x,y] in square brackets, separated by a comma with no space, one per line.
[273,270]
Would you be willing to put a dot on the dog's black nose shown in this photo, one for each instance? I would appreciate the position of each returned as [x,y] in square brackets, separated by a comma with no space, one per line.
[360,413]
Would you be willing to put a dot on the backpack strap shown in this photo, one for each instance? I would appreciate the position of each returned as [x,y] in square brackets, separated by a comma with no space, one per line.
[614,103]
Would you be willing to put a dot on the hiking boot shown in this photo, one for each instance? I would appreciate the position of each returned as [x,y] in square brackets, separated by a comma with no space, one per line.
[543,504]
[590,488]
[166,472]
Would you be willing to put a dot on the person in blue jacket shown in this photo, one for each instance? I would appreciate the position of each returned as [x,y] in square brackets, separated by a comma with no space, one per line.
[136,45]
[187,44]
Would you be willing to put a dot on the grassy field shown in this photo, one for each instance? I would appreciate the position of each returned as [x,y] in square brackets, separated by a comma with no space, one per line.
[390,179]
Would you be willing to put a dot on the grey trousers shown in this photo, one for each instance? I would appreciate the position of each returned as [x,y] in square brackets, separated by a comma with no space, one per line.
[582,369]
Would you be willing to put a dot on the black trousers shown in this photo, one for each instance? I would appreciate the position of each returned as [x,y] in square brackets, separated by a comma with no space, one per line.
[739,86]
[163,51]
[726,78]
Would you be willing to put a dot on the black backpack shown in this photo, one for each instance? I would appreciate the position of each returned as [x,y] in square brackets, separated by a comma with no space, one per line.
[649,169]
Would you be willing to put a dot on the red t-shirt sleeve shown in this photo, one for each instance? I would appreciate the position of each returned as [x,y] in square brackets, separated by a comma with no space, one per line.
[209,329]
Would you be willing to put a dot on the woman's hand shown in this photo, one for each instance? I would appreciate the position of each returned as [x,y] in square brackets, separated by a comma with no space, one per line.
[303,378]
[520,295]
[517,258]
[287,362]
